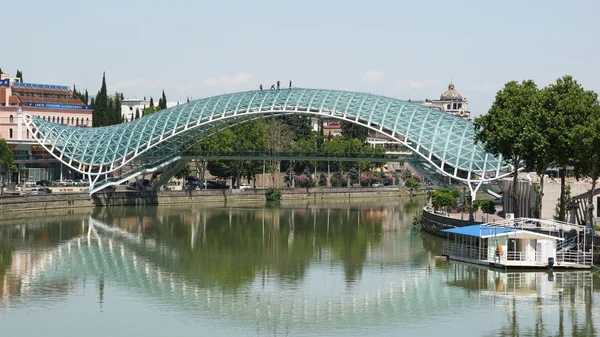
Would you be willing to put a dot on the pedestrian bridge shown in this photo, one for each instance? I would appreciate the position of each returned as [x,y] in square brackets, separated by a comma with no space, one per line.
[113,154]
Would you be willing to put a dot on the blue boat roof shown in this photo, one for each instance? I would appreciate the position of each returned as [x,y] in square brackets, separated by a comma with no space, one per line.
[481,231]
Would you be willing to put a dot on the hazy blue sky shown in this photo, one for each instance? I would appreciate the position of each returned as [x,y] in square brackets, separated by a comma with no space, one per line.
[403,49]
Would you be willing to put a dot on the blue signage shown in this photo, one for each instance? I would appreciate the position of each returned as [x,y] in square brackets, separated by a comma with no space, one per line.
[58,106]
[40,86]
[5,83]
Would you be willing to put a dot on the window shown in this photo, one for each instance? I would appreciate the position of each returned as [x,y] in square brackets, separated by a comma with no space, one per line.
[87,121]
[62,120]
[44,117]
[11,119]
[448,107]
[53,119]
[454,106]
[459,105]
[68,120]
[27,133]
[10,133]
[77,121]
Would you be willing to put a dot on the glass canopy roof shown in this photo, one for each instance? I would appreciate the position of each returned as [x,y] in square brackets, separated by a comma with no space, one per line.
[445,141]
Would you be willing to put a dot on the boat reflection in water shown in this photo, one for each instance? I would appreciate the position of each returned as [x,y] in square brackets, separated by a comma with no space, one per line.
[519,284]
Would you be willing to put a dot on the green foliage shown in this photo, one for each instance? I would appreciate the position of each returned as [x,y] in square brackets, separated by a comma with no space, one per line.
[323,179]
[443,198]
[300,126]
[354,131]
[412,184]
[162,102]
[19,75]
[586,143]
[488,206]
[149,110]
[273,194]
[107,109]
[184,173]
[455,193]
[503,128]
[6,162]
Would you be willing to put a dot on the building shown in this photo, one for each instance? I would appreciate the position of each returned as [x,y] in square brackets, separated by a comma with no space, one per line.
[54,103]
[451,101]
[130,105]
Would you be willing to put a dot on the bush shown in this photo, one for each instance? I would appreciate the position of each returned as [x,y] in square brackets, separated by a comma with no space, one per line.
[304,181]
[323,179]
[338,180]
[273,194]
[488,206]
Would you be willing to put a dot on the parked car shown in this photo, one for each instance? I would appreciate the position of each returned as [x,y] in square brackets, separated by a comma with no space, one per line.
[45,190]
[58,183]
[37,191]
[377,184]
[44,182]
[81,182]
[245,187]
[215,185]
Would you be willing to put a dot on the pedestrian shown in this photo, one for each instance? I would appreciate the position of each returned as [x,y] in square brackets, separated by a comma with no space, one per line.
[273,87]
[261,88]
[290,84]
[278,83]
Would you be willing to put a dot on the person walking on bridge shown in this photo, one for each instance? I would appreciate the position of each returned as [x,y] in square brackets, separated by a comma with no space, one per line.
[290,84]
[278,83]
[261,87]
[273,87]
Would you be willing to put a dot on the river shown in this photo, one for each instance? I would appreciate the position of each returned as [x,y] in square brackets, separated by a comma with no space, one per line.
[306,269]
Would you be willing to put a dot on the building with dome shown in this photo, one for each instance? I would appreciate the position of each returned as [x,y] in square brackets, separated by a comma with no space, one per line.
[451,101]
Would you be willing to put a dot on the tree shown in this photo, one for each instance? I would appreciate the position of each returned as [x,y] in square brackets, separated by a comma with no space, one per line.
[351,130]
[300,125]
[586,155]
[412,184]
[149,110]
[502,129]
[570,105]
[101,106]
[162,103]
[279,138]
[19,75]
[488,206]
[151,102]
[6,162]
[442,198]
[540,135]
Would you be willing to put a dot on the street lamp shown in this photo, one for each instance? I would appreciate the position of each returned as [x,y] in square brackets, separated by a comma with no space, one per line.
[470,202]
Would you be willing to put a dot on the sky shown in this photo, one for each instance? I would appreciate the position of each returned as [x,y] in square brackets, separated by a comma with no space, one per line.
[402,49]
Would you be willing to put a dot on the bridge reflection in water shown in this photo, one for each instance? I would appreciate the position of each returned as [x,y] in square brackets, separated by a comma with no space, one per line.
[252,265]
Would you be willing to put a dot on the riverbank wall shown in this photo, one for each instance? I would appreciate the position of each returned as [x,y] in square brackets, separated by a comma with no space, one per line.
[31,203]
[434,223]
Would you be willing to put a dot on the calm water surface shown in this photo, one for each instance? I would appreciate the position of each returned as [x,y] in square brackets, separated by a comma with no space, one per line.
[339,269]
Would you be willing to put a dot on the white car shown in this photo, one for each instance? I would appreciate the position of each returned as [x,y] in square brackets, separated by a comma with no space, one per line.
[377,184]
[245,187]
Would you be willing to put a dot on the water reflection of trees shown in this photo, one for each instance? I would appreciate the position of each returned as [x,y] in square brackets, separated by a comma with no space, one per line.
[231,246]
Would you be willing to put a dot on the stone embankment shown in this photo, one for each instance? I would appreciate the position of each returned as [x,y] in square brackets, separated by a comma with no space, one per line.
[126,198]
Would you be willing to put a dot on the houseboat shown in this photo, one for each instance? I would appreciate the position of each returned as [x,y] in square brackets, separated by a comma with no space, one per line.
[510,245]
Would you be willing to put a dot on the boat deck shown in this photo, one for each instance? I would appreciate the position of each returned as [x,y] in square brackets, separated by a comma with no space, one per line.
[505,264]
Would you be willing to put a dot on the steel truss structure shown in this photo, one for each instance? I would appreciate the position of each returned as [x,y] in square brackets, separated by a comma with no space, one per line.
[109,155]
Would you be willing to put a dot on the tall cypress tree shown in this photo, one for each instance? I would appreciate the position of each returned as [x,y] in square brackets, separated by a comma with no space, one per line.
[117,115]
[151,102]
[101,108]
[137,113]
[163,101]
